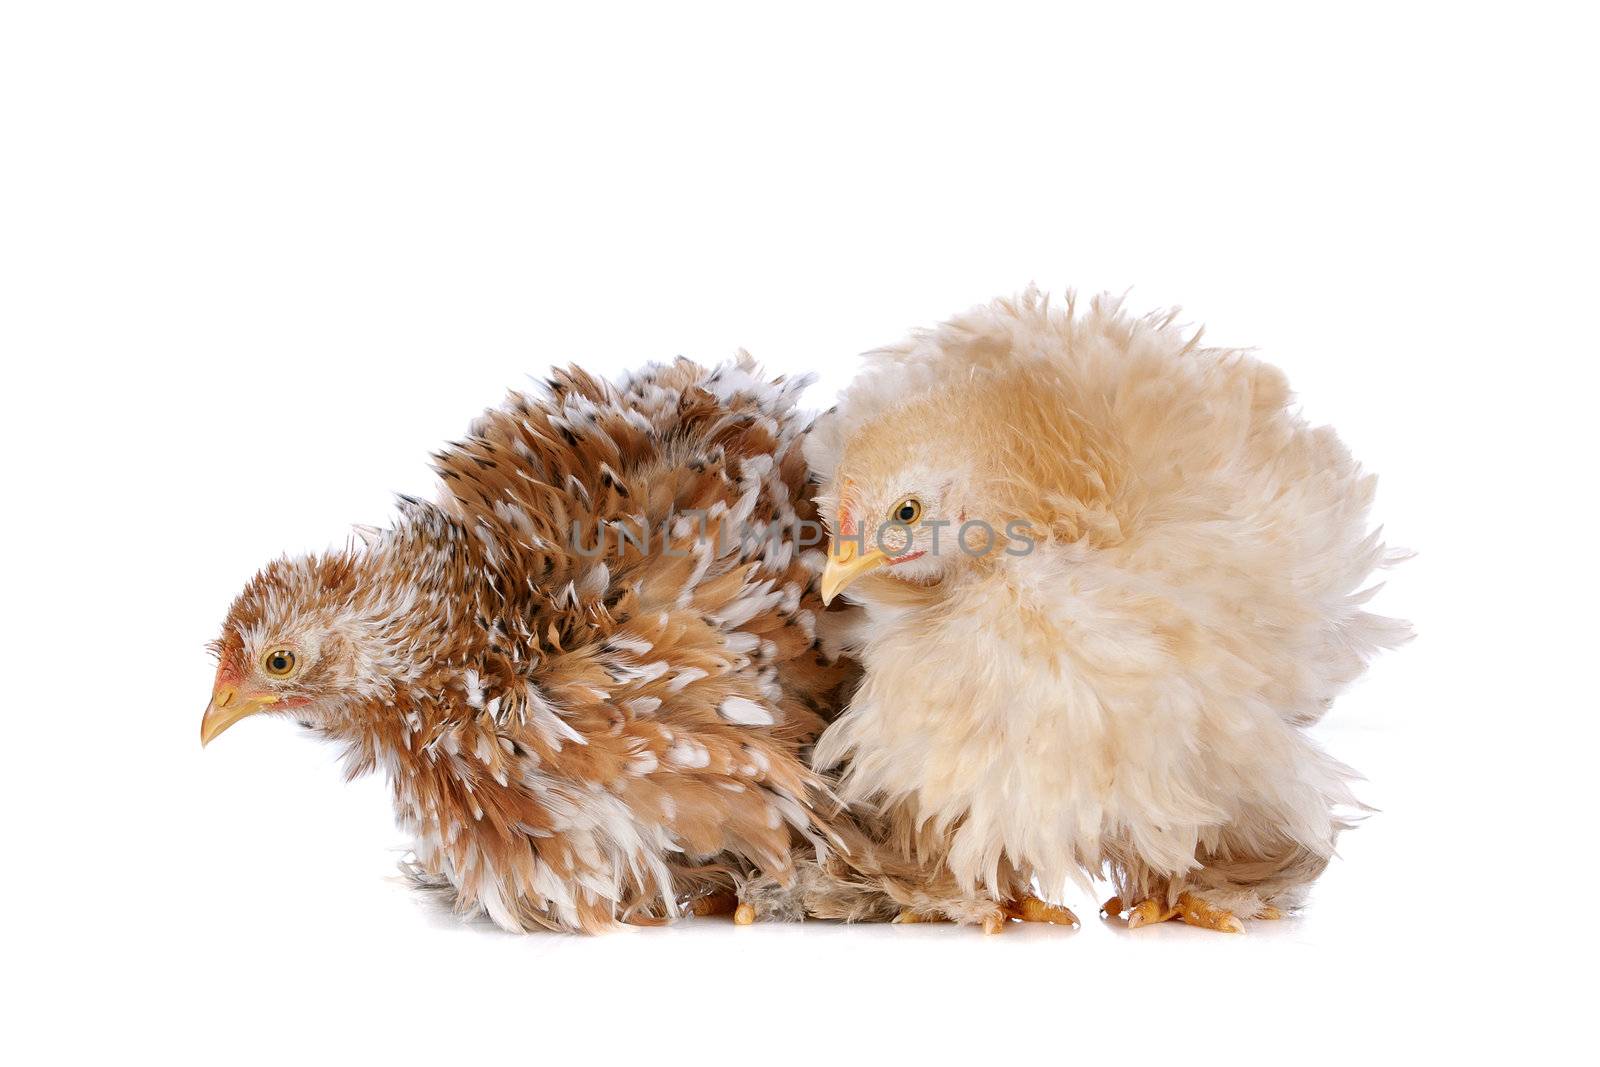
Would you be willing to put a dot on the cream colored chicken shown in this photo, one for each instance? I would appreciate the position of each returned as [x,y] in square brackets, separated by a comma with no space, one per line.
[1109,578]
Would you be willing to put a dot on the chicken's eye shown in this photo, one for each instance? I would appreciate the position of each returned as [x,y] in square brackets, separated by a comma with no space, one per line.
[279,662]
[907,511]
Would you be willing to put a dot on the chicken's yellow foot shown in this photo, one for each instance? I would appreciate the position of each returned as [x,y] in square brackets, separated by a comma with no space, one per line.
[744,915]
[1196,912]
[1030,909]
[1148,912]
[1190,908]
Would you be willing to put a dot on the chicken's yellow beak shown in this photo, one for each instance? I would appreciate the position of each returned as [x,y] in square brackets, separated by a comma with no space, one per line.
[228,707]
[846,563]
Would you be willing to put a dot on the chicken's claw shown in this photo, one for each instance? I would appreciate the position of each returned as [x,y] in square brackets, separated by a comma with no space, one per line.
[1148,912]
[1190,908]
[744,914]
[1196,912]
[1030,909]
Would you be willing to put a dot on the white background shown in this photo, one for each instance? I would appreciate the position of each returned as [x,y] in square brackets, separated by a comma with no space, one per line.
[256,261]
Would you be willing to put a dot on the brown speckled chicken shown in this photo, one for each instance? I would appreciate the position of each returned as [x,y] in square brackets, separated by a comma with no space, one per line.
[581,725]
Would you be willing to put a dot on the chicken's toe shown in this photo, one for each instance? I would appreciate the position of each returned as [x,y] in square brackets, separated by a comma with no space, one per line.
[744,915]
[1148,912]
[1196,912]
[1030,909]
[1190,909]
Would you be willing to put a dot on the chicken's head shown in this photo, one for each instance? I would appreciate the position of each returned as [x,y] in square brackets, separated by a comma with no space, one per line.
[909,499]
[293,644]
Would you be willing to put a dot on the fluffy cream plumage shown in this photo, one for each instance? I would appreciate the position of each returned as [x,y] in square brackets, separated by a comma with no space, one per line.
[1130,695]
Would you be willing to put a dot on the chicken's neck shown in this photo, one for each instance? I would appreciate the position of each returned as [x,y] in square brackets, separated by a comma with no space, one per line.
[420,657]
